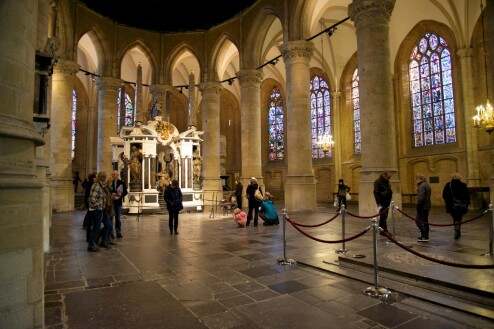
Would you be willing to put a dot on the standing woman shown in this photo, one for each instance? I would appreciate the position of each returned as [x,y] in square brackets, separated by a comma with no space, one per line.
[342,192]
[254,202]
[238,193]
[173,199]
[97,204]
[457,199]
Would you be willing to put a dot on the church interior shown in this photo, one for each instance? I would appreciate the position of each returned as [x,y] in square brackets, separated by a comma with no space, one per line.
[298,94]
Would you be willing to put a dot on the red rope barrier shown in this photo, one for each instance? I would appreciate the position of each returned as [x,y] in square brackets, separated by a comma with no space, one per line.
[435,260]
[443,225]
[368,217]
[316,225]
[358,235]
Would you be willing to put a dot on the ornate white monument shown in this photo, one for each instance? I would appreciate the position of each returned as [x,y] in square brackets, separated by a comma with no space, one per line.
[150,156]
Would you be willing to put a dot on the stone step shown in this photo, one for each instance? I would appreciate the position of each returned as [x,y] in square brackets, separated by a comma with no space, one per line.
[455,299]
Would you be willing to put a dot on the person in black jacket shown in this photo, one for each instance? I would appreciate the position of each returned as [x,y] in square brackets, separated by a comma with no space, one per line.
[343,189]
[457,199]
[254,202]
[423,207]
[173,199]
[383,196]
[238,193]
[118,192]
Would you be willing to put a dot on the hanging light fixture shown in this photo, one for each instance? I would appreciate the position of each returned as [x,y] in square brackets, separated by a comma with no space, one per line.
[326,141]
[484,117]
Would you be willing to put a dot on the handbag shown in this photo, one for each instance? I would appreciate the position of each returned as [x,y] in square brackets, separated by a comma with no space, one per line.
[348,197]
[258,195]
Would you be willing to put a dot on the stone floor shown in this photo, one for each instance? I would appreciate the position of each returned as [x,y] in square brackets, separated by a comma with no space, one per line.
[215,275]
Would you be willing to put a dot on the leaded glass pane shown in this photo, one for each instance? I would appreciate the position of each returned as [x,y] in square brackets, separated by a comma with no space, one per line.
[74,121]
[357,142]
[320,107]
[276,126]
[431,92]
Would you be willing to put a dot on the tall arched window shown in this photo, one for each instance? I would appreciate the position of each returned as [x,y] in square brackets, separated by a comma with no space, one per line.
[357,137]
[276,126]
[74,121]
[125,113]
[320,109]
[431,92]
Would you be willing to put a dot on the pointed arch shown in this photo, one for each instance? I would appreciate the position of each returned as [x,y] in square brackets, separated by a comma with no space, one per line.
[221,45]
[177,52]
[141,45]
[93,40]
[256,35]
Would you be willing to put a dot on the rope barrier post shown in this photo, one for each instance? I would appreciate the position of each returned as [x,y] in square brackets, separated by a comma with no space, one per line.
[491,233]
[376,291]
[343,250]
[285,260]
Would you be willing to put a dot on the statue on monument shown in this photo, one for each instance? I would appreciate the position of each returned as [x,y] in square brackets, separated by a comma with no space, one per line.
[135,165]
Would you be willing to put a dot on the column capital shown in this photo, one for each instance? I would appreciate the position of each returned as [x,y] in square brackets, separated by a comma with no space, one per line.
[250,77]
[465,52]
[336,93]
[210,87]
[159,89]
[298,50]
[108,83]
[370,12]
[64,66]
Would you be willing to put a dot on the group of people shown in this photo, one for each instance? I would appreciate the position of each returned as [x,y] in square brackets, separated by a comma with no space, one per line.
[260,205]
[103,199]
[455,194]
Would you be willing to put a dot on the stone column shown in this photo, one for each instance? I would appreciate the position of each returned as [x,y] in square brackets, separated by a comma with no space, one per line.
[489,34]
[211,182]
[471,141]
[300,186]
[191,105]
[158,93]
[140,111]
[250,120]
[61,135]
[21,242]
[336,99]
[107,120]
[379,153]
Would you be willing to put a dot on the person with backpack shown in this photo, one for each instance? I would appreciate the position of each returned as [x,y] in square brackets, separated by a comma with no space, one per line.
[118,192]
[173,199]
[457,199]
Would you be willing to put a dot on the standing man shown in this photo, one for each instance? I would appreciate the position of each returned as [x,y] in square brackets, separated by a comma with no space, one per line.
[118,192]
[457,199]
[423,207]
[238,193]
[383,196]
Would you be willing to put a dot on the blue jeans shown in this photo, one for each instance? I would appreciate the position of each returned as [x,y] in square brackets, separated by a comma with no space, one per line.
[95,218]
[117,207]
[107,228]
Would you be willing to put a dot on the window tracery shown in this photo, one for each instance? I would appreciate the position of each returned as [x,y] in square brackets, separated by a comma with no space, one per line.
[320,108]
[127,111]
[276,126]
[73,121]
[357,136]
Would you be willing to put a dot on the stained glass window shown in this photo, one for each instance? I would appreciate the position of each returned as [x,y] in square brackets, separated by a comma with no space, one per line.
[74,121]
[357,136]
[276,125]
[431,92]
[320,109]
[125,115]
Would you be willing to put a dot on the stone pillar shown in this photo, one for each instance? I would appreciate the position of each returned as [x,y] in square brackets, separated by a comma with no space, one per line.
[379,152]
[158,93]
[61,135]
[21,242]
[191,105]
[250,120]
[107,120]
[338,173]
[489,34]
[139,110]
[300,186]
[211,183]
[471,140]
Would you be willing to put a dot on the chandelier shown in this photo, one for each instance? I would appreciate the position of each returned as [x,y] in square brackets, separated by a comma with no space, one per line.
[484,117]
[326,143]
